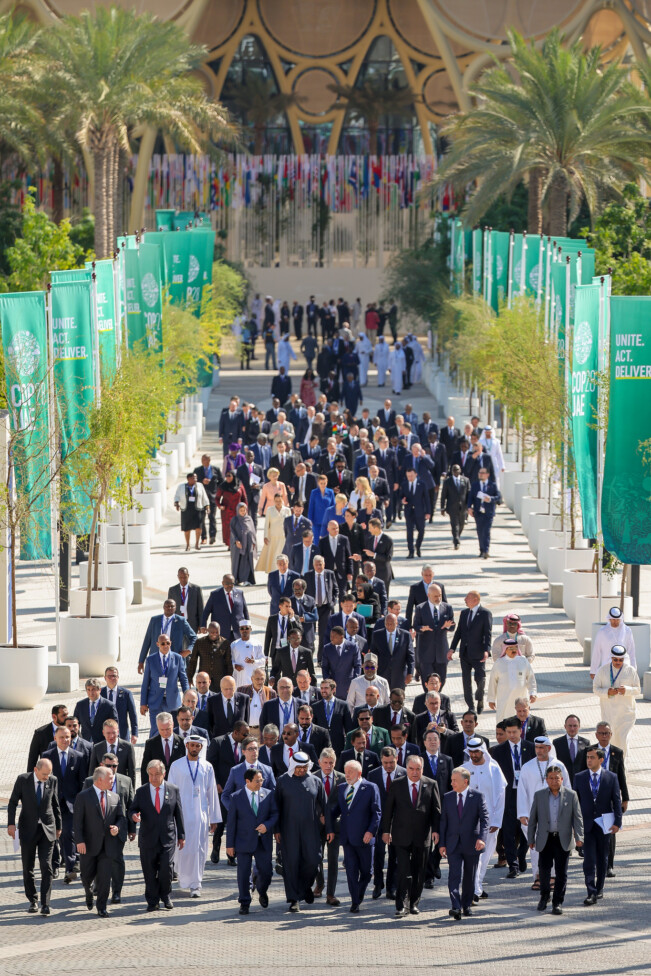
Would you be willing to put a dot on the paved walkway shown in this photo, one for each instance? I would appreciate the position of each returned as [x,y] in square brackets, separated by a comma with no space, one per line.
[507,928]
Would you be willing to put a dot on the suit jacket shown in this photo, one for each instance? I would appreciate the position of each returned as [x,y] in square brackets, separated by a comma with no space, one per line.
[535,727]
[319,738]
[381,555]
[194,603]
[286,469]
[218,609]
[271,713]
[503,757]
[89,827]
[472,465]
[294,536]
[338,778]
[281,664]
[71,782]
[210,489]
[347,484]
[275,590]
[277,756]
[124,789]
[126,758]
[409,824]
[379,777]
[337,620]
[218,723]
[450,441]
[438,455]
[296,558]
[394,667]
[329,584]
[341,563]
[47,814]
[382,715]
[432,645]
[608,800]
[444,767]
[615,765]
[342,668]
[424,430]
[306,608]
[125,706]
[236,781]
[193,730]
[241,825]
[570,820]
[563,753]
[221,755]
[417,504]
[380,488]
[92,731]
[308,486]
[252,491]
[361,817]
[475,503]
[230,428]
[418,705]
[340,724]
[454,501]
[422,721]
[454,746]
[309,697]
[158,830]
[474,639]
[369,761]
[379,587]
[418,595]
[379,738]
[271,633]
[461,834]
[42,739]
[154,750]
[181,635]
[151,692]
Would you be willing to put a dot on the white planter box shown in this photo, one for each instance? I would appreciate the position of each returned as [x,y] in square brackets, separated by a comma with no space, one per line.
[24,675]
[139,555]
[115,604]
[529,507]
[522,490]
[136,533]
[119,573]
[177,441]
[539,522]
[508,481]
[549,539]
[588,615]
[578,583]
[561,559]
[171,455]
[151,499]
[91,642]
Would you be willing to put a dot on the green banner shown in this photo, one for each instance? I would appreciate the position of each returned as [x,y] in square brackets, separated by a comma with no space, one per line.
[165,219]
[584,402]
[499,267]
[558,303]
[105,317]
[626,496]
[477,259]
[151,297]
[136,326]
[75,274]
[531,264]
[24,345]
[177,246]
[202,250]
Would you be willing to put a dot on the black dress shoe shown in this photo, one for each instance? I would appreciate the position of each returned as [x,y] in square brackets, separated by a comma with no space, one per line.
[33,907]
[455,914]
[152,908]
[600,894]
[610,873]
[480,707]
[437,874]
[414,909]
[55,874]
[557,910]
[391,893]
[475,899]
[45,910]
[513,873]
[263,898]
[167,903]
[590,900]
[244,909]
[175,876]
[232,861]
[294,906]
[542,904]
[401,912]
[523,866]
[103,913]
[214,858]
[116,900]
[467,911]
[354,909]
[89,900]
[377,891]
[309,896]
[429,885]
[484,894]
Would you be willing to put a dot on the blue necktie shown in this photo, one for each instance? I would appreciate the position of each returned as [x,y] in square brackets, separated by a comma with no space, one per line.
[39,794]
[63,764]
[329,707]
[285,709]
[516,758]
[93,709]
[434,763]
[595,786]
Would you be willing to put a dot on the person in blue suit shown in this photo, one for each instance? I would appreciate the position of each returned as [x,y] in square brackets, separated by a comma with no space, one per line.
[294,526]
[226,606]
[352,393]
[280,583]
[164,672]
[417,509]
[359,810]
[175,626]
[320,501]
[464,826]
[92,711]
[302,554]
[236,777]
[124,703]
[252,818]
[483,497]
[341,661]
[599,793]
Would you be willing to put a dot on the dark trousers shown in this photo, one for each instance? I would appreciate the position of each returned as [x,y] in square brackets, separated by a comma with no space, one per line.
[426,667]
[515,843]
[457,524]
[269,354]
[611,852]
[300,863]
[596,847]
[468,666]
[38,844]
[262,856]
[358,861]
[414,525]
[117,874]
[66,841]
[466,864]
[378,865]
[212,522]
[483,524]
[97,868]
[156,863]
[553,853]
[324,613]
[410,866]
[333,865]
[433,863]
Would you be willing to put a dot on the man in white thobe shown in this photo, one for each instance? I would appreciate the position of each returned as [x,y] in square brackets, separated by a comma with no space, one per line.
[614,632]
[511,677]
[285,353]
[487,777]
[195,780]
[397,367]
[381,360]
[419,359]
[246,654]
[364,350]
[493,448]
[533,777]
[618,685]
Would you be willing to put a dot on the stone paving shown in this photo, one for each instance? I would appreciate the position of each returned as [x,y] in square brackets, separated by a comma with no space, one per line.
[507,928]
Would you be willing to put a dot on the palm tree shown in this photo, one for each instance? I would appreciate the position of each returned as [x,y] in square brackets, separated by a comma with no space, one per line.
[576,130]
[371,102]
[112,71]
[258,104]
[21,123]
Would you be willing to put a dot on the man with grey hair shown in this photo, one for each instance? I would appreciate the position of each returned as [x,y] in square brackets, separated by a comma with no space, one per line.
[166,745]
[464,826]
[331,779]
[369,676]
[99,840]
[358,807]
[39,825]
[93,710]
[157,808]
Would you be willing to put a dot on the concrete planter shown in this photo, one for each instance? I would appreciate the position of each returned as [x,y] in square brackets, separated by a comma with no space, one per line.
[91,642]
[176,442]
[137,533]
[508,480]
[24,672]
[588,619]
[561,559]
[522,490]
[112,601]
[139,554]
[540,522]
[581,582]
[154,500]
[119,574]
[529,507]
[549,539]
[171,455]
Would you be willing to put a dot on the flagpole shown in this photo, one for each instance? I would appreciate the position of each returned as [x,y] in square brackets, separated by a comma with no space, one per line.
[548,271]
[509,297]
[490,266]
[523,264]
[541,253]
[566,349]
[602,338]
[54,476]
[117,323]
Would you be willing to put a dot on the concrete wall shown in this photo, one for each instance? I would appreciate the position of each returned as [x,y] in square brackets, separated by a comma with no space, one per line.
[323,283]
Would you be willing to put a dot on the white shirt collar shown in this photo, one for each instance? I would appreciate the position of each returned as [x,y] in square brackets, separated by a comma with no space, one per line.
[99,792]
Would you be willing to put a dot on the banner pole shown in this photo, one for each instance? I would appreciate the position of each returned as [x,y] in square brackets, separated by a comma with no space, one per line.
[118,315]
[523,264]
[509,295]
[566,451]
[548,331]
[601,337]
[541,253]
[95,334]
[54,476]
[490,266]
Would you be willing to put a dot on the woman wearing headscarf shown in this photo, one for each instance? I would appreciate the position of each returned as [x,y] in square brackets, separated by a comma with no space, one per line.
[229,495]
[244,547]
[190,500]
[366,596]
[234,458]
[513,628]
[511,677]
[272,488]
[274,535]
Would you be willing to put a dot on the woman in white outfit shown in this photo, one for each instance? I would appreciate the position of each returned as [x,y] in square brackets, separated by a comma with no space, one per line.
[274,535]
[511,677]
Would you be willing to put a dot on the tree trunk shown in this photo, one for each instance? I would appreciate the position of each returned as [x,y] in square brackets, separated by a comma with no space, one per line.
[534,213]
[258,139]
[100,160]
[558,207]
[57,191]
[372,138]
[91,549]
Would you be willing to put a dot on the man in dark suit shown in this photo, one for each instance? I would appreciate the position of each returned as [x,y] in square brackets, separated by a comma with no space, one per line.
[411,821]
[175,626]
[157,808]
[369,760]
[432,621]
[464,827]
[395,652]
[39,826]
[262,450]
[511,756]
[379,548]
[473,638]
[425,428]
[433,683]
[124,703]
[303,483]
[454,745]
[231,425]
[93,711]
[124,789]
[77,744]
[279,582]
[335,550]
[454,502]
[100,829]
[571,746]
[188,597]
[483,497]
[294,526]
[449,437]
[340,478]
[210,477]
[279,627]
[333,714]
[358,809]
[598,792]
[322,587]
[303,553]
[341,660]
[532,725]
[309,733]
[377,585]
[70,770]
[417,509]
[247,473]
[384,776]
[227,606]
[404,749]
[437,454]
[331,779]
[288,659]
[437,766]
[433,714]
[118,747]
[340,619]
[252,818]
[418,593]
[235,781]
[614,762]
[225,752]
[283,461]
[281,710]
[304,609]
[185,726]
[166,745]
[284,750]
[44,735]
[226,708]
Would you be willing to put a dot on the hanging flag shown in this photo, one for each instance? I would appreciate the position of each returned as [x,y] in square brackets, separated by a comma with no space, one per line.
[500,241]
[105,317]
[136,327]
[151,294]
[584,401]
[477,258]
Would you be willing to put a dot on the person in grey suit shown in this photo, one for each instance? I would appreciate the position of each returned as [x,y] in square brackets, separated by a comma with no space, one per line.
[188,597]
[125,790]
[555,822]
[432,621]
[100,830]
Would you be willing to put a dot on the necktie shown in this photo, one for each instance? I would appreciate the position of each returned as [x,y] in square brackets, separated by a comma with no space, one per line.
[349,795]
[295,524]
[523,731]
[326,783]
[392,641]
[394,718]
[516,757]
[460,806]
[111,695]
[293,660]
[456,481]
[359,757]
[102,802]
[319,598]
[183,595]
[167,752]
[230,601]
[572,750]
[595,785]
[203,701]
[400,756]
[254,804]
[368,741]
[413,487]
[375,543]
[157,799]
[229,711]
[282,461]
[414,794]
[39,794]
[236,753]
[63,764]
[291,752]
[434,764]
[328,711]
[93,709]
[282,583]
[388,786]
[285,709]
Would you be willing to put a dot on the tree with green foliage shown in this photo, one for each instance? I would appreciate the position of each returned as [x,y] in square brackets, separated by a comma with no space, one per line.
[372,101]
[622,241]
[556,116]
[258,103]
[22,124]
[417,278]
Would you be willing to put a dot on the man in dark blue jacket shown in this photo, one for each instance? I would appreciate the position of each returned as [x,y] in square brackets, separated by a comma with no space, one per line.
[599,797]
[358,807]
[482,499]
[464,826]
[252,818]
[124,703]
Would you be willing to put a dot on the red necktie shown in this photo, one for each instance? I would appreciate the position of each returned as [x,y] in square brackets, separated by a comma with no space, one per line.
[102,802]
[291,752]
[375,543]
[167,752]
[522,732]
[368,741]
[327,785]
[282,461]
[340,477]
[158,799]
[388,782]
[230,601]
[394,720]
[183,595]
[414,794]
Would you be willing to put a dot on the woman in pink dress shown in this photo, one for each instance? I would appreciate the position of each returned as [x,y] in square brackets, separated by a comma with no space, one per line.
[309,388]
[272,488]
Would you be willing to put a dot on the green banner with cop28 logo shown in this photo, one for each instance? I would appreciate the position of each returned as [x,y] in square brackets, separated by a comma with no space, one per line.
[584,401]
[24,345]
